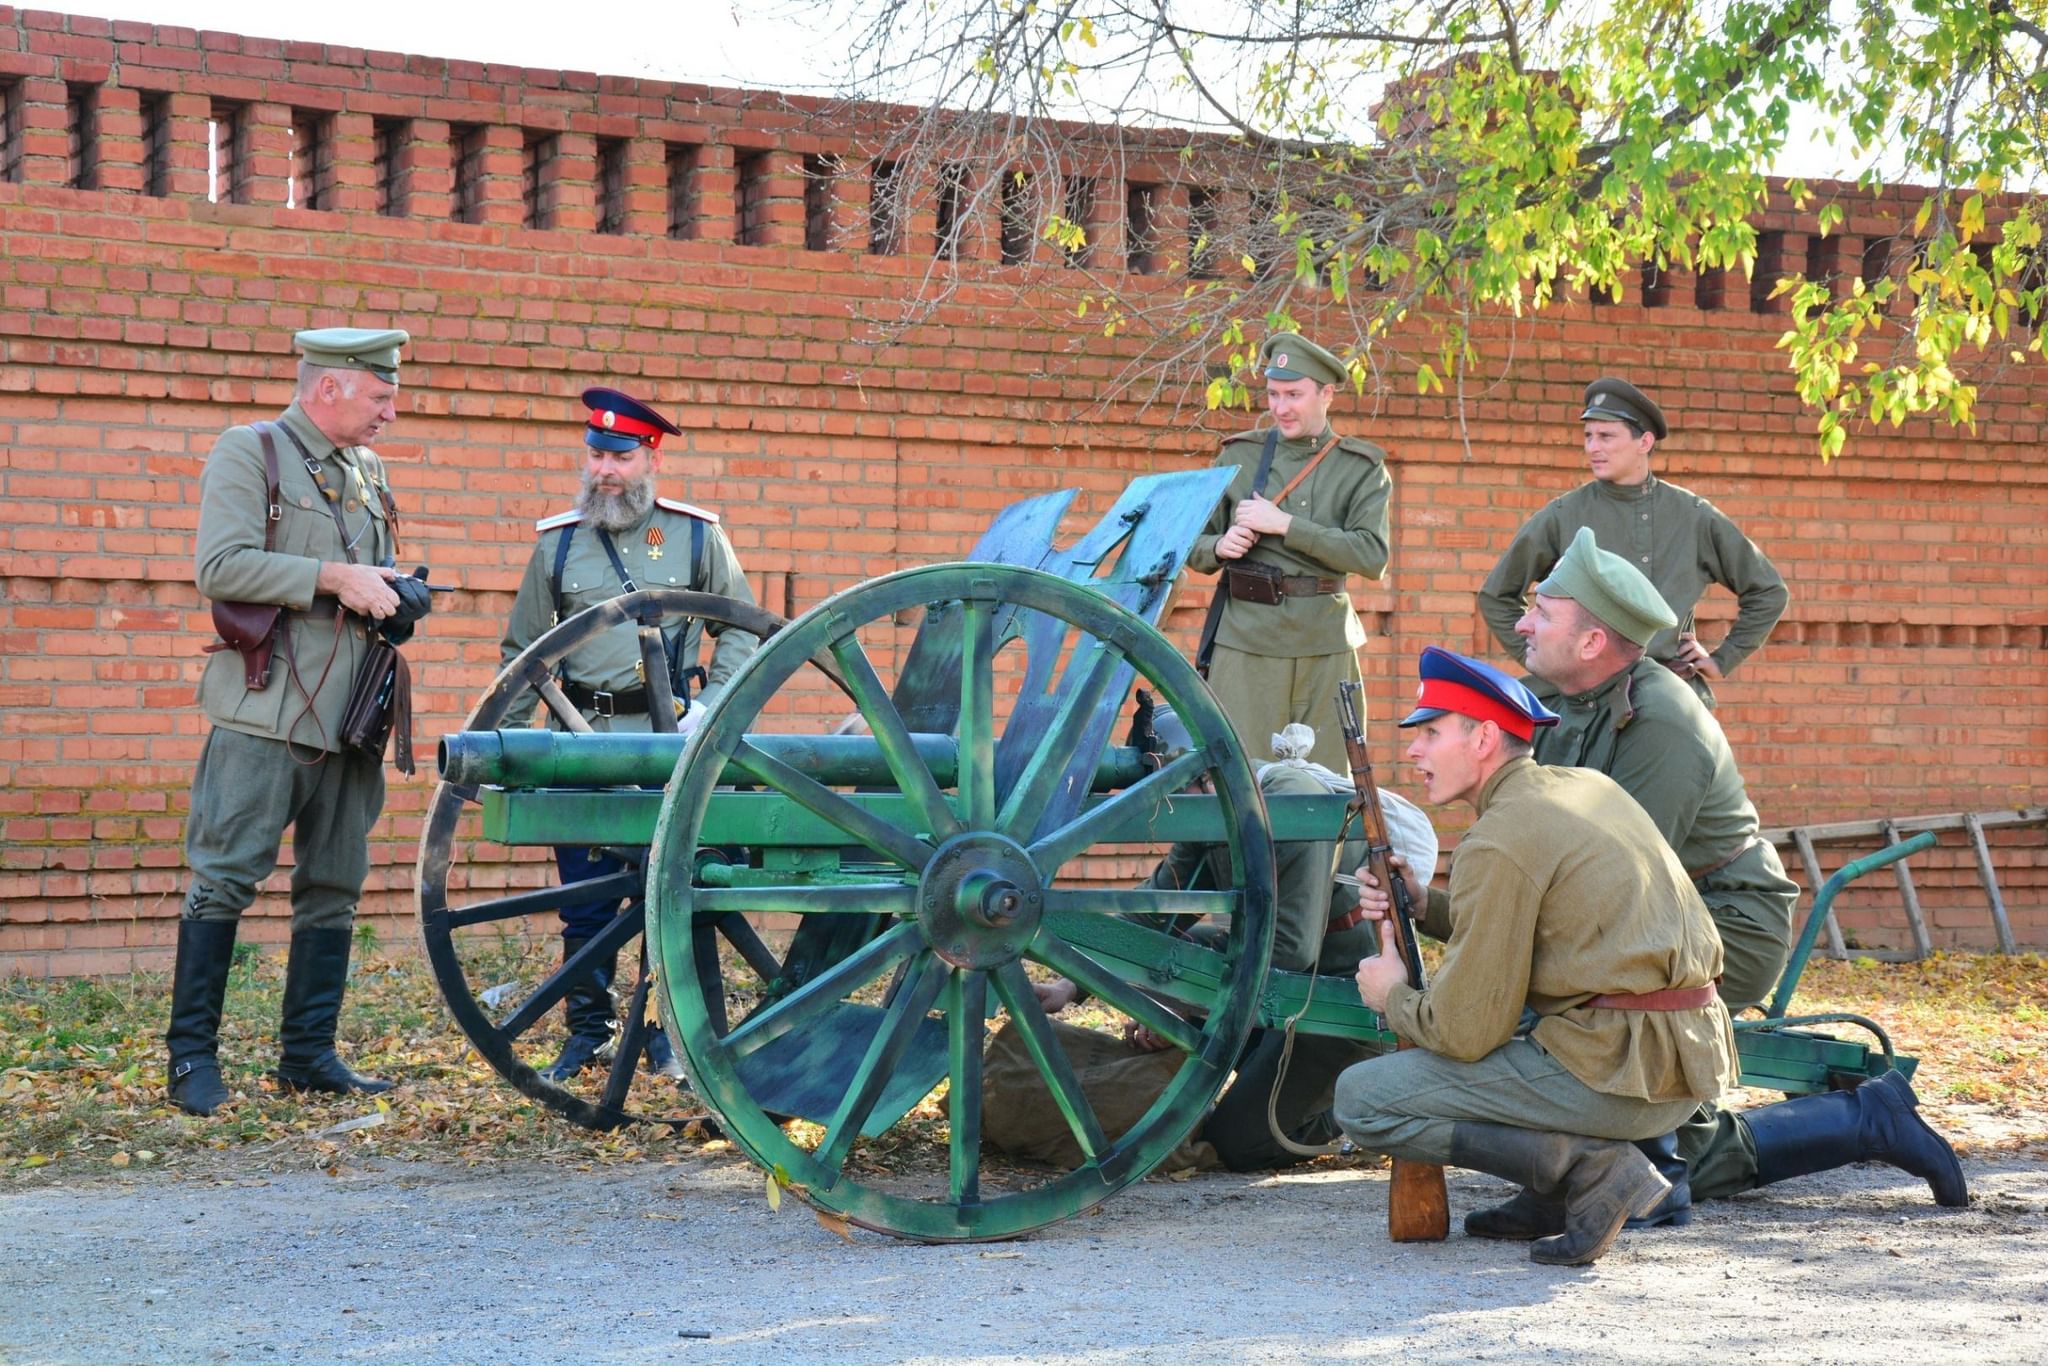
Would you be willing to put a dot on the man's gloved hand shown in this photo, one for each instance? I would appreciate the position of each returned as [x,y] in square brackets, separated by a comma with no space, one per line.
[414,601]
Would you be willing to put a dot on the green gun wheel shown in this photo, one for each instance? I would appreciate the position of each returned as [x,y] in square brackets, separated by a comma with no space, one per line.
[456,919]
[963,887]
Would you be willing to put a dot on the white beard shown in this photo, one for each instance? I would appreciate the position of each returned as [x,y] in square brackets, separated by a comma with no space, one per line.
[616,511]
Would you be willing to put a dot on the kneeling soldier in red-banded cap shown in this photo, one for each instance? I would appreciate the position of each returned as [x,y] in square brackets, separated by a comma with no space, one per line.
[1563,900]
[620,538]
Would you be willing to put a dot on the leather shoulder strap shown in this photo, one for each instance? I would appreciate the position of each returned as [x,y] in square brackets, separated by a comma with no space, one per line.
[271,485]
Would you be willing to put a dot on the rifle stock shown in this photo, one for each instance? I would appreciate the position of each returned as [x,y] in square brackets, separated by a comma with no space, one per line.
[1418,1207]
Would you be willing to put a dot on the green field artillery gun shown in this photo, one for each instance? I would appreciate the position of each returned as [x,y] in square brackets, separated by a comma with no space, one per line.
[912,873]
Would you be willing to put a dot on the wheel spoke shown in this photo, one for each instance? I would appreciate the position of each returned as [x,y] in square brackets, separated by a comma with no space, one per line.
[825,991]
[600,948]
[1046,768]
[632,1042]
[560,707]
[1013,988]
[740,933]
[627,883]
[881,898]
[1113,990]
[977,779]
[661,699]
[913,779]
[1052,851]
[1140,901]
[966,1023]
[876,833]
[885,1052]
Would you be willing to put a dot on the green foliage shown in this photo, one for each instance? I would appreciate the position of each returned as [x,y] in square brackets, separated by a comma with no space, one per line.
[1428,170]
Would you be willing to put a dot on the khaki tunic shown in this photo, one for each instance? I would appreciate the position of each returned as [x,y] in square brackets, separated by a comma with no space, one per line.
[314,666]
[1561,891]
[1339,529]
[1679,540]
[1647,730]
[611,663]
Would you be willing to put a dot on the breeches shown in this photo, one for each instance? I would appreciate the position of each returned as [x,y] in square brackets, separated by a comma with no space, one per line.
[1261,693]
[247,791]
[1404,1104]
[578,864]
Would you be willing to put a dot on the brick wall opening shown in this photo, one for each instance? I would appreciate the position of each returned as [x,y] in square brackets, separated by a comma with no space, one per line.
[611,185]
[81,132]
[155,109]
[1141,232]
[680,161]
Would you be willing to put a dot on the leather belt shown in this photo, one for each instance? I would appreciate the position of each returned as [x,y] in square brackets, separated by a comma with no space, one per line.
[1671,998]
[1268,589]
[1697,873]
[606,704]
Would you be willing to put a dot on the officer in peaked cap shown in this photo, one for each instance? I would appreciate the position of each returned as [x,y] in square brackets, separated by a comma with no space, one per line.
[1306,509]
[622,537]
[1563,887]
[296,515]
[1623,714]
[1678,540]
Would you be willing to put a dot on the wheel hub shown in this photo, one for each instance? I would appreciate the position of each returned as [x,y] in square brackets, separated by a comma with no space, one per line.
[979,901]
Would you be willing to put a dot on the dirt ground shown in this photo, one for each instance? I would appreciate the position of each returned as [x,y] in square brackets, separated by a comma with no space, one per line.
[687,1262]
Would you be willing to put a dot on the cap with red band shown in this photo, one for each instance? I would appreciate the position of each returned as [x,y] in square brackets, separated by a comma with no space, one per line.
[619,422]
[1451,683]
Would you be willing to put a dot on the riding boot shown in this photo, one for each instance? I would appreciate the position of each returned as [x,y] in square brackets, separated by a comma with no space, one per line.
[1601,1182]
[314,979]
[591,1017]
[1675,1209]
[199,987]
[1876,1122]
[1526,1216]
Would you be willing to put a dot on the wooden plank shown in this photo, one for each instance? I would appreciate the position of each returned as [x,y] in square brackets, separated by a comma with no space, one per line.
[1782,835]
[1915,921]
[1975,825]
[1836,948]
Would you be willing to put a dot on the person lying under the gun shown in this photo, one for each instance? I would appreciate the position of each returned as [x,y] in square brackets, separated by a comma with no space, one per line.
[1565,901]
[1123,1077]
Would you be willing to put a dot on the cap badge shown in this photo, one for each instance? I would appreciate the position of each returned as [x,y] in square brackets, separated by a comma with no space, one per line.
[1598,399]
[1279,360]
[609,420]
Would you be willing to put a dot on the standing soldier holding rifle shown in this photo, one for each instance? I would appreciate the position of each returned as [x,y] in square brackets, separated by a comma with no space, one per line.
[1563,900]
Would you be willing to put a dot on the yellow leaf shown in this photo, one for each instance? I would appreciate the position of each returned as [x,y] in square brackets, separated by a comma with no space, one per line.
[774,1192]
[119,1159]
[35,1160]
[833,1223]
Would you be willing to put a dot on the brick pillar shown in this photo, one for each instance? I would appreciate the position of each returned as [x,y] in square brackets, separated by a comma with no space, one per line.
[1105,223]
[981,215]
[568,184]
[717,216]
[120,137]
[423,180]
[262,160]
[500,197]
[768,198]
[186,172]
[45,141]
[646,188]
[1170,228]
[851,201]
[351,164]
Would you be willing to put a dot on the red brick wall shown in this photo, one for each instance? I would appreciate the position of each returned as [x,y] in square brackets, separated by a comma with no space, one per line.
[137,319]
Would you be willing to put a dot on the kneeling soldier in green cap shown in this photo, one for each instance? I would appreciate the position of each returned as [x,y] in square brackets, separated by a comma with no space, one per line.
[1625,715]
[295,513]
[1307,509]
[1677,539]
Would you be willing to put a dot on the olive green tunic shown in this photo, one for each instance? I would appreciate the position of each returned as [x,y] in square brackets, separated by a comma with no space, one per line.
[1647,730]
[1679,540]
[1340,528]
[1562,890]
[656,554]
[315,664]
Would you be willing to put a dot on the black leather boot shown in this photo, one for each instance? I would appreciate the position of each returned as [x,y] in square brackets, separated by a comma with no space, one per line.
[591,1016]
[1601,1182]
[314,980]
[1876,1122]
[199,986]
[1526,1216]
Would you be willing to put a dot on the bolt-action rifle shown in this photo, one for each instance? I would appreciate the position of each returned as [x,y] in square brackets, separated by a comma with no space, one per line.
[1418,1210]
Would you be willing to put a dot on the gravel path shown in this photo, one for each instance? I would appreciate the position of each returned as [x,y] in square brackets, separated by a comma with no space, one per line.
[687,1263]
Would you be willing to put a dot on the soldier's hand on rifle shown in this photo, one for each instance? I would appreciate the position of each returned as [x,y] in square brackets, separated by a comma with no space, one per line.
[1375,900]
[1232,544]
[1379,974]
